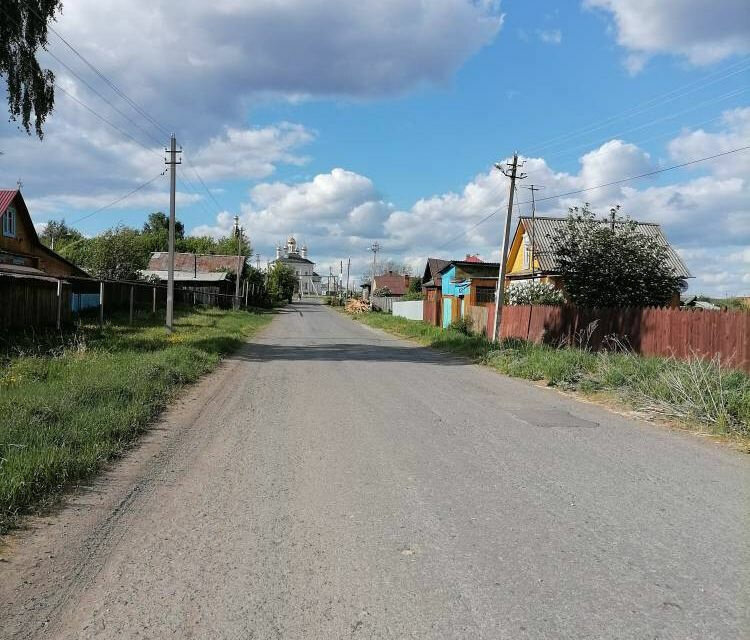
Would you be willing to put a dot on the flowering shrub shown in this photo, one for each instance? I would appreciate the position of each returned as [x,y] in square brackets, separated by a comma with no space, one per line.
[534,293]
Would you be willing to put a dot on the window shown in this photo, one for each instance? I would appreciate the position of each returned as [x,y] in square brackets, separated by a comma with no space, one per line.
[9,223]
[485,294]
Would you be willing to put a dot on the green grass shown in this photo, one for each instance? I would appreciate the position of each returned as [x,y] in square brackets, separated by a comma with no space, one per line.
[71,401]
[699,394]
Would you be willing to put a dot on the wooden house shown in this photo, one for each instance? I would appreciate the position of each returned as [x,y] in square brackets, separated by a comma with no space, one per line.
[21,251]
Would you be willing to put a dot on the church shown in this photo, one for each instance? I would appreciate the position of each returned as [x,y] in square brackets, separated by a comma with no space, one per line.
[308,282]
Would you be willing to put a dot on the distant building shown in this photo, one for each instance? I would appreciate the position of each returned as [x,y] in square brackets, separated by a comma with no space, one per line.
[308,282]
[211,277]
[21,251]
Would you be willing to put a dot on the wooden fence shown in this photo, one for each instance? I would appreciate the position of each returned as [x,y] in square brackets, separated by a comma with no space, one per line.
[382,303]
[26,301]
[33,301]
[659,332]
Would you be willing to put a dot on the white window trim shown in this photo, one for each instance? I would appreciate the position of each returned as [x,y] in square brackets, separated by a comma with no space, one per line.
[9,223]
[526,252]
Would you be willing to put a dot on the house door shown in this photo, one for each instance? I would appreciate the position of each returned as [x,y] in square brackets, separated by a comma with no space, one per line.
[447,318]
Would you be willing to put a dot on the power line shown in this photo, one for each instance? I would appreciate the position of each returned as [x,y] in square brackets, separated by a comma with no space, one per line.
[101,75]
[645,106]
[120,199]
[599,186]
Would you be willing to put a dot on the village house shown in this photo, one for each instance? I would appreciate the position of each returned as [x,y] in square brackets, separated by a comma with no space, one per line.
[21,251]
[433,291]
[531,256]
[211,277]
[466,283]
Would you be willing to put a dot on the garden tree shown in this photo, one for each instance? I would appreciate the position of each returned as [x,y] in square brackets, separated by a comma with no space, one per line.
[610,264]
[281,282]
[58,234]
[414,290]
[158,223]
[116,254]
[23,30]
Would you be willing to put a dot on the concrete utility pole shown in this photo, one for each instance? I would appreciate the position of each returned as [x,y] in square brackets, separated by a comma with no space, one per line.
[511,172]
[348,267]
[533,188]
[172,163]
[238,234]
[374,248]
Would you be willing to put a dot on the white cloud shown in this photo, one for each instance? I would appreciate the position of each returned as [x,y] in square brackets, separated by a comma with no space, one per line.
[340,213]
[251,153]
[203,63]
[550,36]
[199,70]
[703,32]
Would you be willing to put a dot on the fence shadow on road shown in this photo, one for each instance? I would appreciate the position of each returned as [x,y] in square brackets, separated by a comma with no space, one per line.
[344,352]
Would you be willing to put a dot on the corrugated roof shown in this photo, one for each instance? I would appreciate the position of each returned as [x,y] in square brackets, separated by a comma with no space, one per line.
[191,262]
[6,197]
[396,283]
[546,228]
[186,276]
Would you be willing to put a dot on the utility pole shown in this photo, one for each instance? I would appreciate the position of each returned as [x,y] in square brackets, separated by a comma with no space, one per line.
[512,173]
[238,235]
[172,162]
[374,248]
[348,267]
[341,275]
[533,188]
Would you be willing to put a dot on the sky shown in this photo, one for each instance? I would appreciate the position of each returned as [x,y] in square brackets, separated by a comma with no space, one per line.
[349,123]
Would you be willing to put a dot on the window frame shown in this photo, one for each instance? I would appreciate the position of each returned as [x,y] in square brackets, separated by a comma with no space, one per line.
[9,222]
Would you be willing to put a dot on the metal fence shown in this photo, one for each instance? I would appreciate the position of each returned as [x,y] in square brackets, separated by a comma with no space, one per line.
[410,309]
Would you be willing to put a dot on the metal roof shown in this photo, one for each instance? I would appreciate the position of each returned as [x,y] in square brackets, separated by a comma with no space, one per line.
[192,262]
[186,276]
[6,197]
[546,228]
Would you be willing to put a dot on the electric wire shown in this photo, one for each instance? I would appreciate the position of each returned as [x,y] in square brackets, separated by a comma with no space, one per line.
[599,186]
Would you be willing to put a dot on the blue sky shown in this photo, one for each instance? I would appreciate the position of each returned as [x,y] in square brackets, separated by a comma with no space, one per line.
[349,125]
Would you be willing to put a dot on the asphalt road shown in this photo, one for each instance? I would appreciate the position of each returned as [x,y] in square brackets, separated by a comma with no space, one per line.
[333,482]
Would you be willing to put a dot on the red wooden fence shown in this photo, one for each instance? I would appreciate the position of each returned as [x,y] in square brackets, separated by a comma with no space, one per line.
[659,332]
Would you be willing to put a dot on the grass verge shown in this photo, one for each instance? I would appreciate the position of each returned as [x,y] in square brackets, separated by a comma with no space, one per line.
[71,401]
[698,394]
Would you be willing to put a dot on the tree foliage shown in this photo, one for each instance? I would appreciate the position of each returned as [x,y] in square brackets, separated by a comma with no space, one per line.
[57,234]
[31,90]
[116,254]
[608,263]
[121,252]
[282,282]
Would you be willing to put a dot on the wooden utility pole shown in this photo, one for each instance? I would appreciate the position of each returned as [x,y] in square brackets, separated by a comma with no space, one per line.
[512,173]
[172,162]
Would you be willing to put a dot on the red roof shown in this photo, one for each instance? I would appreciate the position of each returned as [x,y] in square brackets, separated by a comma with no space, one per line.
[193,262]
[6,197]
[396,283]
[470,258]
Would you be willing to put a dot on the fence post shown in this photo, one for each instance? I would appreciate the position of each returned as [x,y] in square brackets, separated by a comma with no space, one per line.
[59,303]
[153,308]
[193,298]
[101,302]
[131,303]
[247,290]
